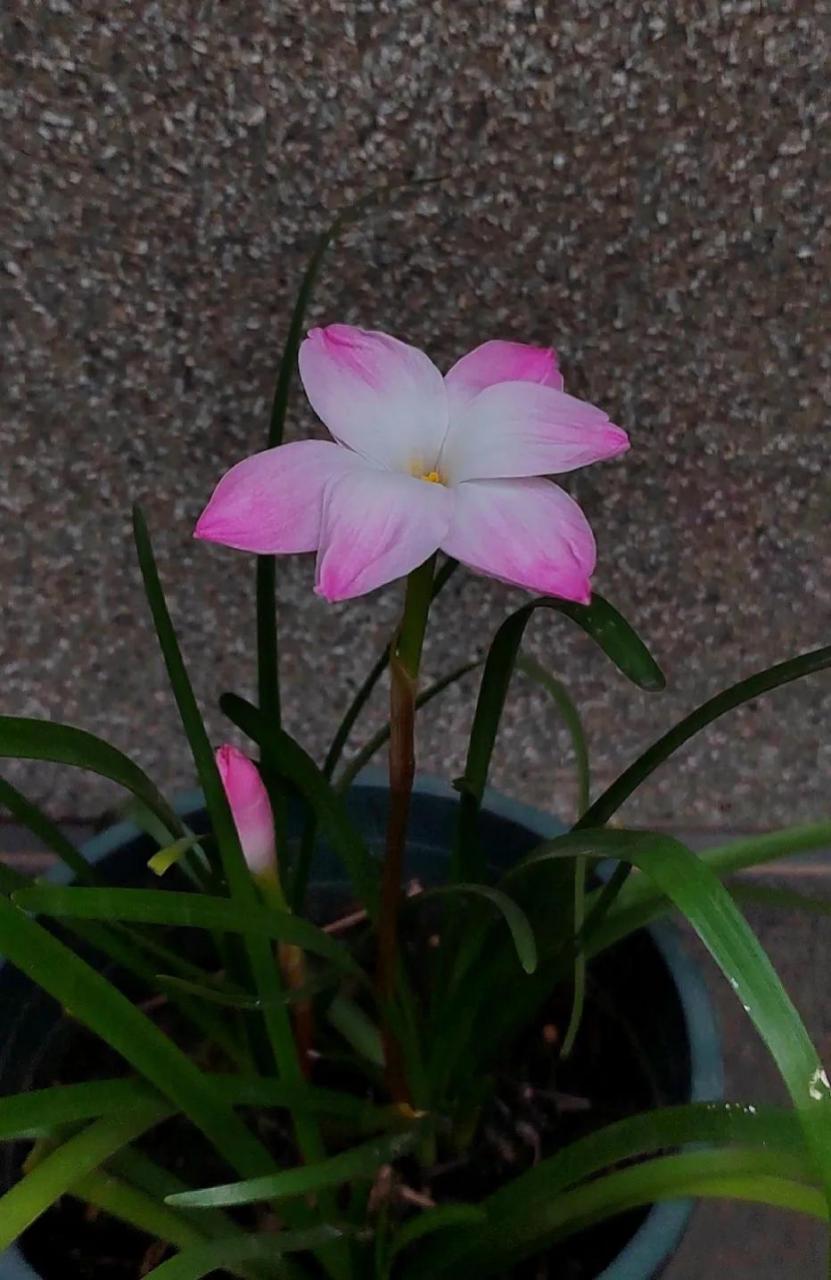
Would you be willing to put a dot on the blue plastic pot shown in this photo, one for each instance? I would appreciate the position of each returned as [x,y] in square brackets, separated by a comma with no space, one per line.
[684,1052]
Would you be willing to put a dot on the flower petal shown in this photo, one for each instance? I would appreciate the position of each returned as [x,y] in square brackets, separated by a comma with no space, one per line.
[377,526]
[523,429]
[500,362]
[526,532]
[272,501]
[381,397]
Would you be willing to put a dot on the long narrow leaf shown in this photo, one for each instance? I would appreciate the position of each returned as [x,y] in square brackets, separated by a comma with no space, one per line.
[55,1174]
[607,628]
[623,787]
[527,1197]
[189,910]
[95,1002]
[513,915]
[719,1123]
[238,878]
[39,1112]
[641,901]
[744,691]
[205,1259]
[699,894]
[757,1176]
[116,1197]
[45,829]
[26,739]
[557,691]
[358,1162]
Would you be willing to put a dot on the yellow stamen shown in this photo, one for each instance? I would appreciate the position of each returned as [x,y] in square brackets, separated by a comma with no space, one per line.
[432,477]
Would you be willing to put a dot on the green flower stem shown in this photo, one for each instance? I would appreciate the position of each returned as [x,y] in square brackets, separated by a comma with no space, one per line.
[404,668]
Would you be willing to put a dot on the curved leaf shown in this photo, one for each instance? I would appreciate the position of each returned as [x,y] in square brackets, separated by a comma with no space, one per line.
[699,894]
[26,739]
[45,829]
[41,1111]
[113,1195]
[439,1219]
[759,1176]
[56,1172]
[190,910]
[735,696]
[205,1259]
[513,915]
[607,628]
[171,854]
[641,901]
[526,1198]
[358,1162]
[94,1001]
[238,878]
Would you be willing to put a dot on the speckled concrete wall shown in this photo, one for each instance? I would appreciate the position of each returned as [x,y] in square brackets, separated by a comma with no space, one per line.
[645,185]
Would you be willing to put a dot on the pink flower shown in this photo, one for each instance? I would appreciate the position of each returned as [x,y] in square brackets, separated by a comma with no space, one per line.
[250,807]
[422,462]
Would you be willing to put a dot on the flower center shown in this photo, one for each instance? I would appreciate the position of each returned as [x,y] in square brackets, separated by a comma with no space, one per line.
[432,477]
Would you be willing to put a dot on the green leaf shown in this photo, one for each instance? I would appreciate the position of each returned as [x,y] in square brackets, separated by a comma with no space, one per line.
[40,1111]
[617,640]
[438,1219]
[24,739]
[567,708]
[357,1029]
[641,901]
[698,893]
[513,915]
[45,829]
[56,1173]
[240,884]
[186,909]
[115,1196]
[784,899]
[737,1124]
[295,765]
[358,1162]
[735,696]
[96,1003]
[745,691]
[205,1259]
[757,1176]
[571,718]
[168,857]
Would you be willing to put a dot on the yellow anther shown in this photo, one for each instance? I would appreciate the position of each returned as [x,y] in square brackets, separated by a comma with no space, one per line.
[432,477]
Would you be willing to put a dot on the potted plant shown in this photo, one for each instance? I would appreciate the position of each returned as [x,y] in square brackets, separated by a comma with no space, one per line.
[309,1023]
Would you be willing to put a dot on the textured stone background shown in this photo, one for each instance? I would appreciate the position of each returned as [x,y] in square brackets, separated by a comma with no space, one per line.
[644,184]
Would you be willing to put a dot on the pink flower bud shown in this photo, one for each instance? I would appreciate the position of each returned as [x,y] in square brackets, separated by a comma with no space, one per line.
[250,807]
